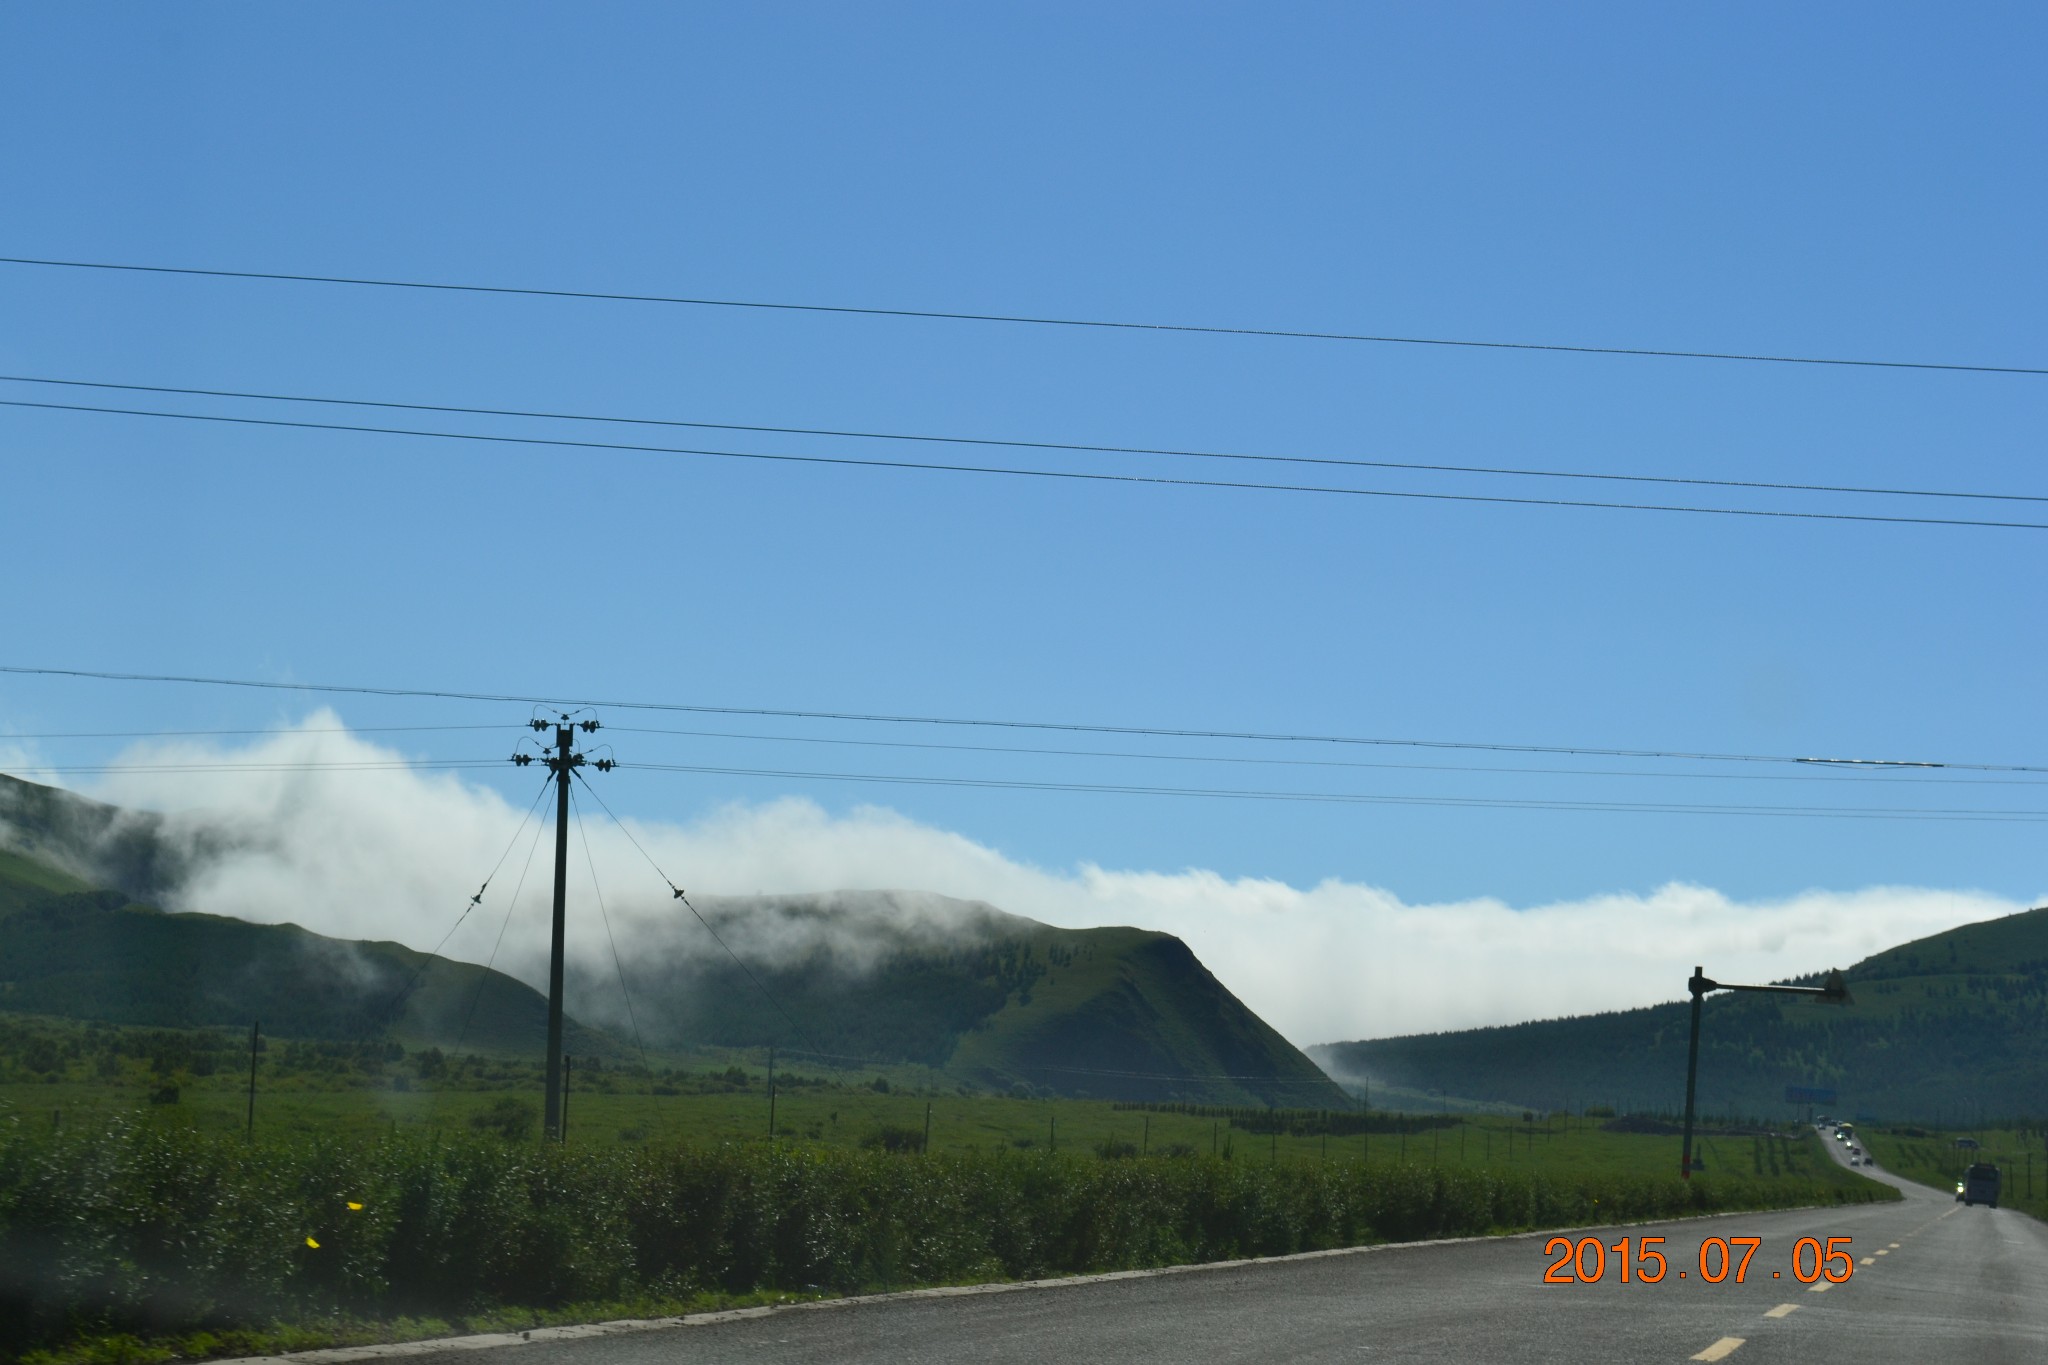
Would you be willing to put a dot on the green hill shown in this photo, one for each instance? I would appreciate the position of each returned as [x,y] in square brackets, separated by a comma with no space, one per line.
[991,999]
[69,948]
[1950,1026]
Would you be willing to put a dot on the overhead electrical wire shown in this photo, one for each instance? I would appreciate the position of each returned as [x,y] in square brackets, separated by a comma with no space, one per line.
[1024,319]
[405,992]
[1360,798]
[928,438]
[276,731]
[1018,471]
[680,895]
[234,766]
[1067,727]
[1897,775]
[625,991]
[483,977]
[1156,789]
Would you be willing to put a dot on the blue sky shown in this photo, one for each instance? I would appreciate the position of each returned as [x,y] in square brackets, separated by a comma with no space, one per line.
[1844,181]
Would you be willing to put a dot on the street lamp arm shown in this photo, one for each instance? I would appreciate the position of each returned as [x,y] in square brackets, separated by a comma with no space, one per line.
[1787,990]
[1834,992]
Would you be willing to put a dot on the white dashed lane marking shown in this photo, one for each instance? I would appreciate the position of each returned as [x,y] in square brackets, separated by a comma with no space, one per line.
[1720,1350]
[1783,1310]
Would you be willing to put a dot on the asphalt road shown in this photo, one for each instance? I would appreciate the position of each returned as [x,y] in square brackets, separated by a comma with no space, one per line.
[1932,1281]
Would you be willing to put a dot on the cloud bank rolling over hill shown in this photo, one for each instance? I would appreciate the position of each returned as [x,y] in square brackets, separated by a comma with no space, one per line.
[394,852]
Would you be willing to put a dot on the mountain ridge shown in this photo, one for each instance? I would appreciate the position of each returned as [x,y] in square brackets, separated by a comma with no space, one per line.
[854,977]
[1949,1024]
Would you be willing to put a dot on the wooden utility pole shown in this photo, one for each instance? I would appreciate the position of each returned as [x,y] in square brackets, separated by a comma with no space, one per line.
[563,764]
[771,1094]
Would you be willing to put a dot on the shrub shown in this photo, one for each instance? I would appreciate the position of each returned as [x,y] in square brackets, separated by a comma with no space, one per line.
[510,1118]
[131,1229]
[893,1138]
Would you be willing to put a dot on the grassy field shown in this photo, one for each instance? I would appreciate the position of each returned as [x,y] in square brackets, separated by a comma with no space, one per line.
[1932,1158]
[843,1114]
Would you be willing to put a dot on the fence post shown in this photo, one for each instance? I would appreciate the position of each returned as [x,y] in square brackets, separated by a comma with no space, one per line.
[249,1134]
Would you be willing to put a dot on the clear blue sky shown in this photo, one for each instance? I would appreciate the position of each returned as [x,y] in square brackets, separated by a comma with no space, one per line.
[1833,181]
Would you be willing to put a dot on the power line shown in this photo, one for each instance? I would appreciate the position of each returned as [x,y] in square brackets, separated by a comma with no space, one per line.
[1018,471]
[1899,776]
[1028,319]
[483,977]
[392,765]
[1010,444]
[618,963]
[273,731]
[1139,789]
[474,901]
[716,937]
[1068,727]
[1360,798]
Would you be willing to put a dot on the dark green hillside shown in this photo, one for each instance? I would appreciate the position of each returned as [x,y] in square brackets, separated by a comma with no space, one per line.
[23,880]
[1948,1026]
[1137,1002]
[95,955]
[94,844]
[894,977]
[994,999]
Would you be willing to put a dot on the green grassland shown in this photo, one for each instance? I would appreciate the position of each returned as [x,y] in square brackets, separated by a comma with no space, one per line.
[853,1115]
[59,1072]
[1932,1158]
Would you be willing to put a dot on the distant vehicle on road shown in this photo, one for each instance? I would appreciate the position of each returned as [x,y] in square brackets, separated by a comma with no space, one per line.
[1980,1184]
[1959,1191]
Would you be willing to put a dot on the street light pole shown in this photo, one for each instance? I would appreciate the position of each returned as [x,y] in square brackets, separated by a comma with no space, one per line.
[1834,992]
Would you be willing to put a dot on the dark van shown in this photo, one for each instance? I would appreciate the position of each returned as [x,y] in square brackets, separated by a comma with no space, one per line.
[1980,1184]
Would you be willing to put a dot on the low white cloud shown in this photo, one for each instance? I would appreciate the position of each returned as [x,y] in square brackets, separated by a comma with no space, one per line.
[395,851]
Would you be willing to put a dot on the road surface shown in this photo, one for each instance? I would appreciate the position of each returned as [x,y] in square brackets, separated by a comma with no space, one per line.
[1932,1281]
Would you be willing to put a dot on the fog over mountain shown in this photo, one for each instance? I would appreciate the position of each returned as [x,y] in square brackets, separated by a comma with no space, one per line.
[391,850]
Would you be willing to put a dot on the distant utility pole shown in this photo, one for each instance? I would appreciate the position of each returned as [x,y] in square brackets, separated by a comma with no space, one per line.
[562,763]
[250,1133]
